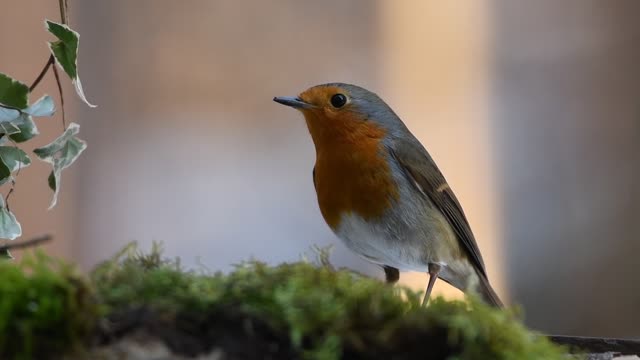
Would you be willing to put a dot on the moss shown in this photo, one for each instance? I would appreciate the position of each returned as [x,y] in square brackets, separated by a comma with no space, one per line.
[45,308]
[325,313]
[297,310]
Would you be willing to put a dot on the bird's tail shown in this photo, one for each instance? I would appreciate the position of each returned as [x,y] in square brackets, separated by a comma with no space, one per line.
[487,293]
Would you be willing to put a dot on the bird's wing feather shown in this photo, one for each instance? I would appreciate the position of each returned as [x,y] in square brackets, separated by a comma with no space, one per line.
[313,175]
[426,176]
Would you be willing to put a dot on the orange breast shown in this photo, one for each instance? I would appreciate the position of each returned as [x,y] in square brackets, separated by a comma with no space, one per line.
[352,174]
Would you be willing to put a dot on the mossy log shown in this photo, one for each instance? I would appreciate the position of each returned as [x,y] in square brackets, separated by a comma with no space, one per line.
[139,306]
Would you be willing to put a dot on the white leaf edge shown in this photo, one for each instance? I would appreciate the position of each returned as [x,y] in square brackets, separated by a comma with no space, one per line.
[72,130]
[19,164]
[76,81]
[4,212]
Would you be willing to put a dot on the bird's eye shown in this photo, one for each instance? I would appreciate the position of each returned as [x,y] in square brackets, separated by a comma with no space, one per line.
[338,100]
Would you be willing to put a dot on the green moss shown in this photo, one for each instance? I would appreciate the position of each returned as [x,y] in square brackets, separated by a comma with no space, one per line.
[45,308]
[326,313]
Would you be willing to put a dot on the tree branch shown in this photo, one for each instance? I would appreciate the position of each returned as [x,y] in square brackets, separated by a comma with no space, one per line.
[26,243]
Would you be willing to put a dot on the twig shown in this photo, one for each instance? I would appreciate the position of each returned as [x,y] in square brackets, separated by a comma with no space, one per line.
[27,243]
[64,121]
[64,18]
[50,62]
[6,198]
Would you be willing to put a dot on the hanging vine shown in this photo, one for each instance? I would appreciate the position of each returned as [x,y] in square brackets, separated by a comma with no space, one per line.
[17,124]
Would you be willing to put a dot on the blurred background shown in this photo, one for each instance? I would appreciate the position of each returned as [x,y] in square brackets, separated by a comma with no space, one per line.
[531,109]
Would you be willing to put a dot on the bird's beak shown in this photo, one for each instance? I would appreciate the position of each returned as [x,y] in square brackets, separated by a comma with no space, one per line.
[294,102]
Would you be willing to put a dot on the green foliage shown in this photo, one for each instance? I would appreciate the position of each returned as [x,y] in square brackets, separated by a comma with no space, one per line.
[14,99]
[65,50]
[46,308]
[324,311]
[17,125]
[61,153]
[9,226]
[12,93]
[11,159]
[22,129]
[20,125]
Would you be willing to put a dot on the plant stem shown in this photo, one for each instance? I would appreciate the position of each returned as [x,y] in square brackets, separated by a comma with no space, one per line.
[63,11]
[6,199]
[64,18]
[50,62]
[64,121]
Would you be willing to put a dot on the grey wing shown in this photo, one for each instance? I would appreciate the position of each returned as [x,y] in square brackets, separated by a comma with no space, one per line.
[313,175]
[424,174]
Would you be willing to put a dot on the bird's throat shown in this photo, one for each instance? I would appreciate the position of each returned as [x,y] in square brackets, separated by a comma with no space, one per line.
[352,172]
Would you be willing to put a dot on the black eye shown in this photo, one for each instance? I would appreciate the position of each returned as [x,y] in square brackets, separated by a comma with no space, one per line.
[338,100]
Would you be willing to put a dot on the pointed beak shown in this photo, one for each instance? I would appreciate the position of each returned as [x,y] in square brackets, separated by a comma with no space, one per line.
[294,102]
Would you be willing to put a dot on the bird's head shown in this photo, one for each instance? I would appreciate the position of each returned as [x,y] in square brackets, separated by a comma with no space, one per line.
[338,112]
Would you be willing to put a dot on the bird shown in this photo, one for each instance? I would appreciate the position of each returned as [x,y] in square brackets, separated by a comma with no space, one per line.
[382,194]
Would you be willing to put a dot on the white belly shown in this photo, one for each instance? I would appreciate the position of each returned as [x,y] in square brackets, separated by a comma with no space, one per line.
[380,244]
[407,249]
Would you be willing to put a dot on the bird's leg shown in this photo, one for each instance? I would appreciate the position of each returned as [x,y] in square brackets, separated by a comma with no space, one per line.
[434,269]
[392,275]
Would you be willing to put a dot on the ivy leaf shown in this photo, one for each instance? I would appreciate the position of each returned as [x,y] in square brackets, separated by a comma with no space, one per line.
[13,93]
[65,50]
[43,107]
[7,115]
[9,127]
[9,227]
[61,153]
[23,128]
[11,159]
[18,123]
[26,128]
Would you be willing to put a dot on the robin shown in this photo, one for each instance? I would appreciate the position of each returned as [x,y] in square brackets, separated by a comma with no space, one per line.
[383,195]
